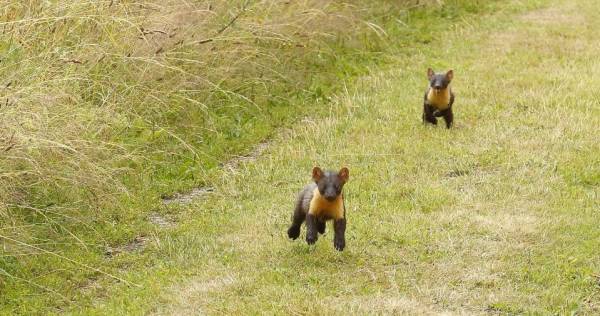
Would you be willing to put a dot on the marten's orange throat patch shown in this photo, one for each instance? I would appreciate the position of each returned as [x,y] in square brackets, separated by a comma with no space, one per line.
[439,99]
[321,207]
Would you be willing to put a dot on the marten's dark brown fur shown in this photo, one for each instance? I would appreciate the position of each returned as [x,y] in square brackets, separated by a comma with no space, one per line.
[439,98]
[319,202]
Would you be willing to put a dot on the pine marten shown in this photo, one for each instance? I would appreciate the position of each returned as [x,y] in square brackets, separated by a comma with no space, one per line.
[438,98]
[319,202]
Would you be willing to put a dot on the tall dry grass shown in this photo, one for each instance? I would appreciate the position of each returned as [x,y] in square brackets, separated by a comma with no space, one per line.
[89,86]
[102,101]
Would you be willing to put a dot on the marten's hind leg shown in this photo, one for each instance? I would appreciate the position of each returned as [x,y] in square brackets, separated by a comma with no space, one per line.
[297,220]
[321,226]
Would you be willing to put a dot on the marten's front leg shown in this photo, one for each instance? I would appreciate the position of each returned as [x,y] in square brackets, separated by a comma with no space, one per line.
[311,229]
[448,117]
[428,116]
[339,240]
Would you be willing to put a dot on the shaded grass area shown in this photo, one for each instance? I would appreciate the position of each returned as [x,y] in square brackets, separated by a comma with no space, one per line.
[107,106]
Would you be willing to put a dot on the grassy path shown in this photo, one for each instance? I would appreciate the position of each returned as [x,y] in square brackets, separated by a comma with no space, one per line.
[498,215]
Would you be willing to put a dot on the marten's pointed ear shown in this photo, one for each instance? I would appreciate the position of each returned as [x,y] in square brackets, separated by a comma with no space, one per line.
[344,174]
[430,73]
[317,174]
[450,74]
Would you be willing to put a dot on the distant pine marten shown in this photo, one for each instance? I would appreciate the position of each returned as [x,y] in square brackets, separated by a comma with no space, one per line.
[438,98]
[319,202]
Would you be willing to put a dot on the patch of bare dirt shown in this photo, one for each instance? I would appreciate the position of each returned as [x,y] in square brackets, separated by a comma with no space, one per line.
[161,220]
[137,244]
[235,162]
[231,166]
[186,198]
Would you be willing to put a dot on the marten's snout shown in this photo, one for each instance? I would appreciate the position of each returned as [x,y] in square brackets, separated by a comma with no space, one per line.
[330,196]
[330,193]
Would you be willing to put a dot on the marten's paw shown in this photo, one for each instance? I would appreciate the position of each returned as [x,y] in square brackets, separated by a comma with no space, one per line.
[311,240]
[294,232]
[339,244]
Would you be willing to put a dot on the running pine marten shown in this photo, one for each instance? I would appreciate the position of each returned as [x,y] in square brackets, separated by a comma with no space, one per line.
[319,202]
[438,98]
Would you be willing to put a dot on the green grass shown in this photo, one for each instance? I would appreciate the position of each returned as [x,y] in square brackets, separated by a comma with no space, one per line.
[498,215]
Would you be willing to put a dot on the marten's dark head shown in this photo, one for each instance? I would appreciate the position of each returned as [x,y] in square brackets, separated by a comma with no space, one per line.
[439,81]
[330,183]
